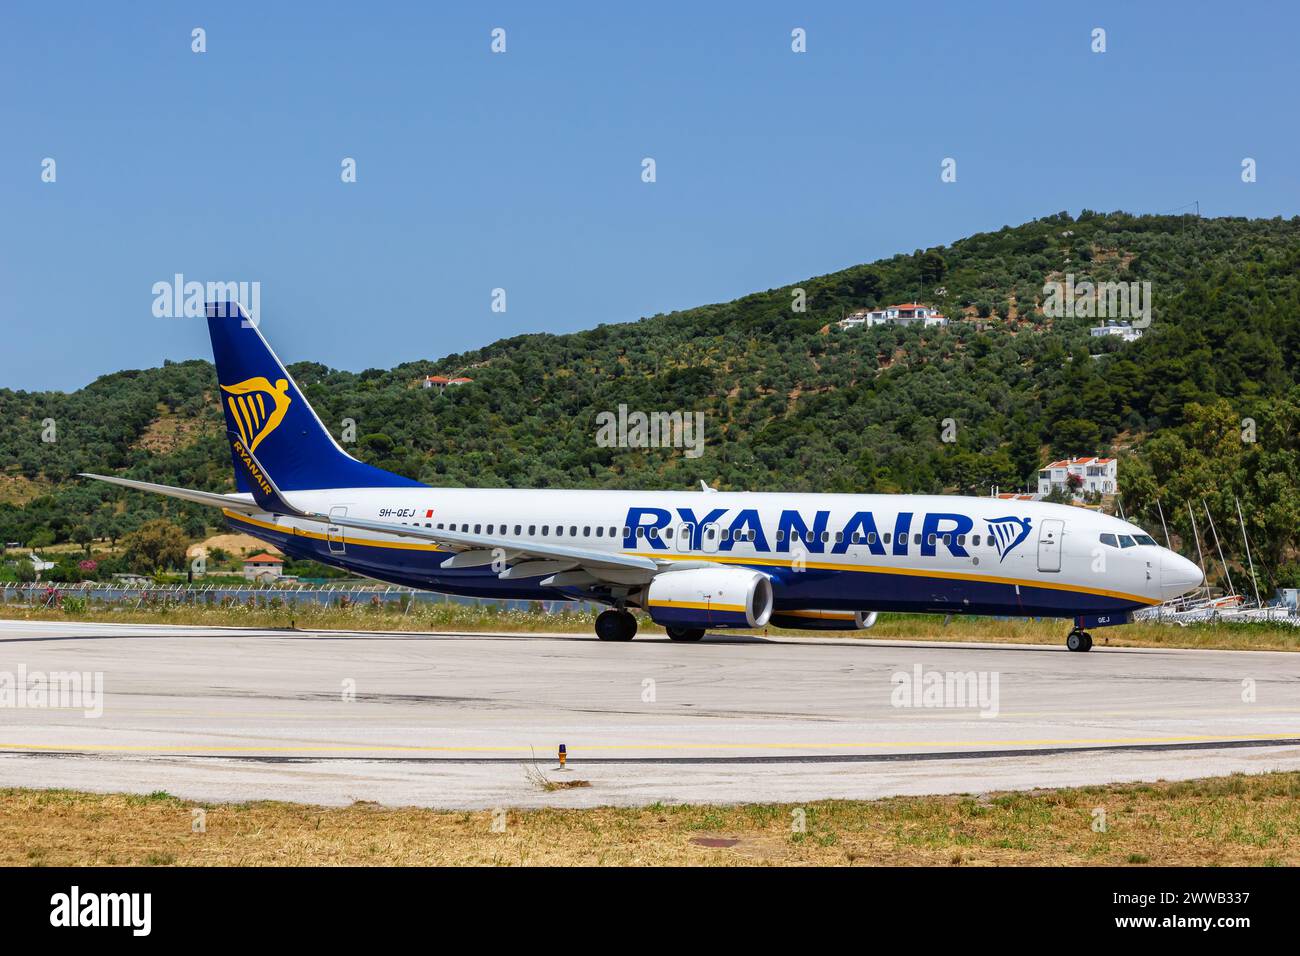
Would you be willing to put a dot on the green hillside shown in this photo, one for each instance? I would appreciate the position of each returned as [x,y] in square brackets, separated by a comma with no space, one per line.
[791,402]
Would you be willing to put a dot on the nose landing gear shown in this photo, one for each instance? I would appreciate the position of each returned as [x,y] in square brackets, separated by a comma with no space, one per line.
[1079,640]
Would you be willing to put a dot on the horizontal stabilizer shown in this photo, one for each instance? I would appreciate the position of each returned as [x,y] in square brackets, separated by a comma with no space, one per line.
[210,498]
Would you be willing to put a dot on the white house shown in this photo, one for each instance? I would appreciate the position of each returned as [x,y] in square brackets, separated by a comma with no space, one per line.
[1100,475]
[263,568]
[442,382]
[907,313]
[1124,330]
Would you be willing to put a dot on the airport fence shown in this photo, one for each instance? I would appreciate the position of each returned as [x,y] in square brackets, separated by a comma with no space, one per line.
[387,597]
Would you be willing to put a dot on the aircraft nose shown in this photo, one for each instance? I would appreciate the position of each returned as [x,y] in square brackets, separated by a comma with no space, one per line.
[1178,575]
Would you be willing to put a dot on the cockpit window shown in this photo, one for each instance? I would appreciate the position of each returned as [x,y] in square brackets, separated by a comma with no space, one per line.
[1126,542]
[1110,540]
[1144,539]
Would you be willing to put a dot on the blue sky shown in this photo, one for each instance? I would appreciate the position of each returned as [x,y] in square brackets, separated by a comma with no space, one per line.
[523,170]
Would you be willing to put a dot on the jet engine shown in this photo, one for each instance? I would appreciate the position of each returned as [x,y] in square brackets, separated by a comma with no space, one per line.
[709,597]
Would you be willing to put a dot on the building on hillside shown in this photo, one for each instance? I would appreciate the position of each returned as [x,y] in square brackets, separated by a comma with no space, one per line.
[907,313]
[1097,475]
[1124,330]
[441,382]
[263,568]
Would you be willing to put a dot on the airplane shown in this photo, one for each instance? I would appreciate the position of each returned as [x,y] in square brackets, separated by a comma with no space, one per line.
[691,561]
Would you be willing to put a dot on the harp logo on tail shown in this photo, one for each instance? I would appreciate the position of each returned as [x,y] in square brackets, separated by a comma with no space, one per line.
[1007,533]
[257,407]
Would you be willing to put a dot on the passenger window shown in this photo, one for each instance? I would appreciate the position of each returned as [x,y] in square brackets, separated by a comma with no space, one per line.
[886,536]
[640,532]
[975,540]
[573,531]
[780,534]
[1126,542]
[871,537]
[613,532]
[586,532]
[1109,539]
[917,539]
[532,529]
[626,531]
[961,540]
[930,540]
[546,530]
[518,529]
[653,532]
[559,531]
[489,530]
[600,531]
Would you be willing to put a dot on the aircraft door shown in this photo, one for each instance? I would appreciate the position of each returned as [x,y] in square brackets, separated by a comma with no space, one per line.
[1049,544]
[334,533]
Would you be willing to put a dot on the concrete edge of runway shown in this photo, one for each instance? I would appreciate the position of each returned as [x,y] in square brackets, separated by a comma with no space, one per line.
[713,639]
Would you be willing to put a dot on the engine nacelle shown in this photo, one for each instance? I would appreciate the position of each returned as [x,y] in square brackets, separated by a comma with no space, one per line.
[823,620]
[710,597]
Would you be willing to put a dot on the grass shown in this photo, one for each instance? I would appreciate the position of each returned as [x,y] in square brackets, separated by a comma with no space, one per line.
[1218,821]
[442,616]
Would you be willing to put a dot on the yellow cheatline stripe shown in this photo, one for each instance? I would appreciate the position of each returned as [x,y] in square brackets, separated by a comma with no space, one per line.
[700,606]
[914,572]
[765,562]
[527,748]
[316,535]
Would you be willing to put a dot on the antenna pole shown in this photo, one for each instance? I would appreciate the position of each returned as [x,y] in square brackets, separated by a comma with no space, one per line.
[1197,535]
[1250,560]
[1218,547]
[1163,525]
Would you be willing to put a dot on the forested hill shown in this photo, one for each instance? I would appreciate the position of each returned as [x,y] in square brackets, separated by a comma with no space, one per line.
[790,400]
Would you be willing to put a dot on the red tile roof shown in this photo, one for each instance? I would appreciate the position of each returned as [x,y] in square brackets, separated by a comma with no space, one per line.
[264,558]
[1079,461]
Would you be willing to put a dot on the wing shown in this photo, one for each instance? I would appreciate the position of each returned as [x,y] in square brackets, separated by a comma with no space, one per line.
[521,558]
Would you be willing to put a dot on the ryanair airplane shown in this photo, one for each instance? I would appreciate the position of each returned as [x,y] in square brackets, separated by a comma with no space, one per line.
[691,561]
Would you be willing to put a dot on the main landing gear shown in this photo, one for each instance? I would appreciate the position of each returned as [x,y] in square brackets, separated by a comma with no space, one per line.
[1079,640]
[685,633]
[615,625]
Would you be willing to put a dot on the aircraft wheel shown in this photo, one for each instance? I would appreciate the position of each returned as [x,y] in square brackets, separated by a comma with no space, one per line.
[1087,641]
[685,633]
[1075,641]
[615,625]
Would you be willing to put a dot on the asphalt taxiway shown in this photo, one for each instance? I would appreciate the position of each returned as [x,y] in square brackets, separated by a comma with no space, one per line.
[475,720]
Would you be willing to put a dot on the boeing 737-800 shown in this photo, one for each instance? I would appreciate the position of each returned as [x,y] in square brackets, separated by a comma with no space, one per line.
[691,561]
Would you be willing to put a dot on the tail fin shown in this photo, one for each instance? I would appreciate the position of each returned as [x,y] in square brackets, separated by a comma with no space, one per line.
[266,413]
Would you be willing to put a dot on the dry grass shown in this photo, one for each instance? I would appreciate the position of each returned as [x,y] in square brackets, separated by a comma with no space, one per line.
[1226,821]
[470,617]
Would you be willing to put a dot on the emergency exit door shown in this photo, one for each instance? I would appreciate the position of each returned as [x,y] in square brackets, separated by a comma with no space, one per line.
[1049,544]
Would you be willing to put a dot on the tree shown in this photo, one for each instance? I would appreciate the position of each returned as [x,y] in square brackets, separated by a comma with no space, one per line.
[154,545]
[933,268]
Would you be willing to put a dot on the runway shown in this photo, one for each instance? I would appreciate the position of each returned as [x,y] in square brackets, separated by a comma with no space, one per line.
[474,720]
